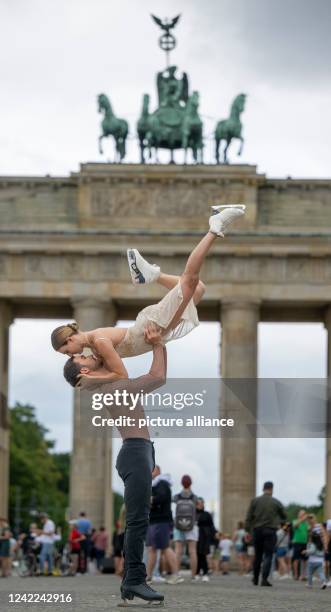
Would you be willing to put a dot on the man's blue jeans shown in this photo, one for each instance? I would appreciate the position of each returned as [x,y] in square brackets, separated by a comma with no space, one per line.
[46,555]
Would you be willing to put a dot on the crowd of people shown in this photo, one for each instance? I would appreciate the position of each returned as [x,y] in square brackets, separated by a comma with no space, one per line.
[42,550]
[284,549]
[265,543]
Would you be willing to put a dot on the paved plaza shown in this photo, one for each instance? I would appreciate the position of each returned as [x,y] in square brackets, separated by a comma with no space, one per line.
[223,593]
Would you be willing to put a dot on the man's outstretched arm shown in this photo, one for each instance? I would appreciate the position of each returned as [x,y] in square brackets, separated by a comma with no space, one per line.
[156,377]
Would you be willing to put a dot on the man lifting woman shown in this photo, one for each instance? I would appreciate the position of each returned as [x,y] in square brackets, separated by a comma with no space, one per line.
[171,318]
[174,316]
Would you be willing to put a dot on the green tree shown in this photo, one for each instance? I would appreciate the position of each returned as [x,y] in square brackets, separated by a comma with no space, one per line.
[62,462]
[39,477]
[322,496]
[293,508]
[37,482]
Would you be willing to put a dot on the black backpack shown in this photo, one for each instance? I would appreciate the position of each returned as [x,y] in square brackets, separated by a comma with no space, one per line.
[185,513]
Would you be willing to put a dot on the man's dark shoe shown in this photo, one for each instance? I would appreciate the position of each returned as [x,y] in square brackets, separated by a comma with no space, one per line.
[266,583]
[255,581]
[142,591]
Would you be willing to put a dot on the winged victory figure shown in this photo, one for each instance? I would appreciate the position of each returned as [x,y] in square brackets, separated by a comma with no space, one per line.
[166,25]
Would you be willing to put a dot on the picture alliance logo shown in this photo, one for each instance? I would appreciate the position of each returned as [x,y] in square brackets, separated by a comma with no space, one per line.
[123,398]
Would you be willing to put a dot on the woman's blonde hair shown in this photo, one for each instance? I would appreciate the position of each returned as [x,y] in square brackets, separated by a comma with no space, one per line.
[60,334]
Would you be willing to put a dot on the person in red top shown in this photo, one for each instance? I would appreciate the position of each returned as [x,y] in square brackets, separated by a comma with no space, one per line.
[75,538]
[100,541]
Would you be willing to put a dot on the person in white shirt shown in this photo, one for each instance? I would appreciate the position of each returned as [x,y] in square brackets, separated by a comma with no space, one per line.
[225,546]
[46,538]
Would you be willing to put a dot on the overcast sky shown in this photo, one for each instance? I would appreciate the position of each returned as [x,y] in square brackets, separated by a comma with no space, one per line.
[56,58]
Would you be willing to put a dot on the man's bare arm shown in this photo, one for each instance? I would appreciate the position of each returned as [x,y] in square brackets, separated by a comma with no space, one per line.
[158,369]
[155,378]
[157,375]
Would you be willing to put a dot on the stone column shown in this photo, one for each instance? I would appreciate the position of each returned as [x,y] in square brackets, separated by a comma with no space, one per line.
[327,504]
[5,321]
[239,320]
[91,463]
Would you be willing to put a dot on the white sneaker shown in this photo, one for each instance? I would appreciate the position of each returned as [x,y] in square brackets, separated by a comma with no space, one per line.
[205,578]
[141,271]
[158,579]
[223,215]
[174,579]
[195,578]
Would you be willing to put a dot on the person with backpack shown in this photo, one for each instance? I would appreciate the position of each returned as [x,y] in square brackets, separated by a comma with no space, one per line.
[186,528]
[316,547]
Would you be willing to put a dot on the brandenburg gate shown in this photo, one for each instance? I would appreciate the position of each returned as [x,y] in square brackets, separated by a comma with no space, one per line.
[63,247]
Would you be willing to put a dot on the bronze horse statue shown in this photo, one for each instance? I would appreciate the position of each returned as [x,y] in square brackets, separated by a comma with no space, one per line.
[112,126]
[143,128]
[192,129]
[171,128]
[230,128]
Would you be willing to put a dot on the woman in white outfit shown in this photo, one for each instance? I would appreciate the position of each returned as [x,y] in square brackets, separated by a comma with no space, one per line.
[173,317]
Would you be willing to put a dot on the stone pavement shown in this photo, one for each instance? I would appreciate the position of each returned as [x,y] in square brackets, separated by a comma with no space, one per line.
[222,593]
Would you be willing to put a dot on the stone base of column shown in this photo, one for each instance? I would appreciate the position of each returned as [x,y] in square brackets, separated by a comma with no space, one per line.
[238,456]
[91,463]
[109,498]
[238,480]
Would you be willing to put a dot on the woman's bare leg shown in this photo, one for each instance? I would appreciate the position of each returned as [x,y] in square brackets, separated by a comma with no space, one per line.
[142,272]
[169,281]
[189,280]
